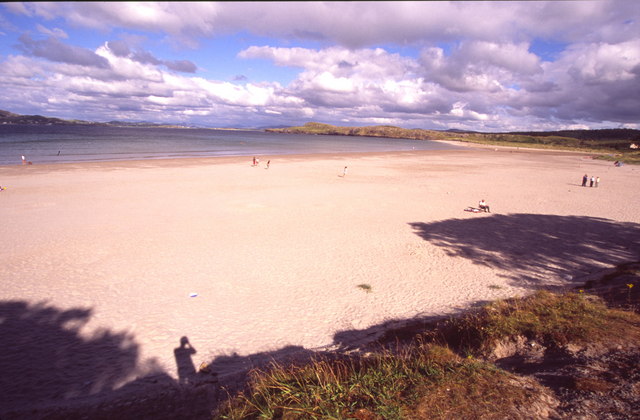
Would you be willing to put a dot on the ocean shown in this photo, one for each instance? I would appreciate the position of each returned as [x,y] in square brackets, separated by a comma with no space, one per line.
[70,144]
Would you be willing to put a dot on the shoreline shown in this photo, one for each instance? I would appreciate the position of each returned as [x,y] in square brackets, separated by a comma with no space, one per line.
[106,256]
[237,159]
[191,161]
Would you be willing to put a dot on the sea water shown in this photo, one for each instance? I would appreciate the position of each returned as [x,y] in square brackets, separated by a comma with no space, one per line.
[68,144]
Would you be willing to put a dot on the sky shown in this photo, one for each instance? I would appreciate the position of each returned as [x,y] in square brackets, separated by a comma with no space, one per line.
[469,65]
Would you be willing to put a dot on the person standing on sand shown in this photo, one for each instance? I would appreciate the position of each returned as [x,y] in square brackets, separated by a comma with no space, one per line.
[597,181]
[584,180]
[268,163]
[593,179]
[24,160]
[254,161]
[344,172]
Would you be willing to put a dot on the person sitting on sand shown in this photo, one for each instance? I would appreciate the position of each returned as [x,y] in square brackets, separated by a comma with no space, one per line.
[484,206]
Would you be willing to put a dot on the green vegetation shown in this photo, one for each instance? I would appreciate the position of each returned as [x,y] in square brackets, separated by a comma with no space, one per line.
[429,378]
[611,144]
[366,287]
[547,318]
[422,381]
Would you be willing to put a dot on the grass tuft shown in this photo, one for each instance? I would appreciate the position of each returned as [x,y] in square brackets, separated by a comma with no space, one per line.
[366,287]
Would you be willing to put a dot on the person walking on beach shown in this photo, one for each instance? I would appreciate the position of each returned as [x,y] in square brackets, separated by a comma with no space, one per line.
[584,180]
[593,179]
[254,161]
[344,172]
[268,163]
[597,181]
[24,160]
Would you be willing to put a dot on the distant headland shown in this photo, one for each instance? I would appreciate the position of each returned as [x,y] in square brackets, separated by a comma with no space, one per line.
[615,144]
[9,118]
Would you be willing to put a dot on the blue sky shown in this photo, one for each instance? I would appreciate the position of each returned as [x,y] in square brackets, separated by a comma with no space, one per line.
[486,66]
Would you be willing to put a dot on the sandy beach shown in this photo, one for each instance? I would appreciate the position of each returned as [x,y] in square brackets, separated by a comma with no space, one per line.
[106,266]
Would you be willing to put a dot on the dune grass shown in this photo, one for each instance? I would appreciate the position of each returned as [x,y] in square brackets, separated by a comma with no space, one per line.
[551,319]
[421,381]
[438,374]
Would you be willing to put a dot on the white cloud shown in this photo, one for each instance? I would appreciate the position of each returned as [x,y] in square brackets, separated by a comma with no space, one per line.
[55,32]
[377,22]
[604,63]
[54,50]
[476,68]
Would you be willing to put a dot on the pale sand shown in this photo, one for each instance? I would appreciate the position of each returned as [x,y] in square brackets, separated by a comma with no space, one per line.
[276,255]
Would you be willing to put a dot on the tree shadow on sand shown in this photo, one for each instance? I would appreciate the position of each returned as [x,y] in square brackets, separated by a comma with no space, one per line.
[528,248]
[49,369]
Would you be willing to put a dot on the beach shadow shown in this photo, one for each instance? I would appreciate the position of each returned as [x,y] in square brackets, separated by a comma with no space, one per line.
[526,247]
[45,358]
[186,369]
[51,369]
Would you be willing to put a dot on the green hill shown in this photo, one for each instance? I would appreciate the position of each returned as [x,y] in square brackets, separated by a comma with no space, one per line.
[613,144]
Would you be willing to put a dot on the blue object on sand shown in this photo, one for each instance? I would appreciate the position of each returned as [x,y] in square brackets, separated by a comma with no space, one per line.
[193,294]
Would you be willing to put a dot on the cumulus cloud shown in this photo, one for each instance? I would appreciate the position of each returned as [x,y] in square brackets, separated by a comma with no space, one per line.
[476,65]
[184,66]
[55,32]
[377,22]
[54,50]
[480,66]
[121,49]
